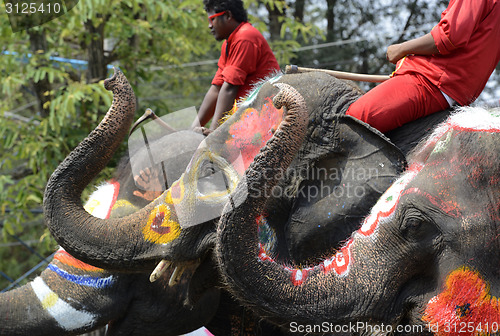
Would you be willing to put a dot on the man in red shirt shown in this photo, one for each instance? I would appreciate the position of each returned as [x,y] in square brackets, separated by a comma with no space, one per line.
[245,58]
[448,66]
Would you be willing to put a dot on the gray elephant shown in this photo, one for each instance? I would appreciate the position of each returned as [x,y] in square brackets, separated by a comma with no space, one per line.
[425,259]
[70,297]
[180,224]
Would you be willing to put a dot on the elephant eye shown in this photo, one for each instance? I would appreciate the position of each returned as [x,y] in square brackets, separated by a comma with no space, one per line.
[417,226]
[208,169]
[412,224]
[211,179]
[214,178]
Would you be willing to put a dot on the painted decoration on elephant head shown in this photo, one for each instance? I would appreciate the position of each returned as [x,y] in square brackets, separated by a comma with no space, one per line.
[465,307]
[385,206]
[160,227]
[253,129]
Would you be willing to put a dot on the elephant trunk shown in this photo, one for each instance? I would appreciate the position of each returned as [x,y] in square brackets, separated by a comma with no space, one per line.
[41,307]
[21,313]
[85,236]
[331,291]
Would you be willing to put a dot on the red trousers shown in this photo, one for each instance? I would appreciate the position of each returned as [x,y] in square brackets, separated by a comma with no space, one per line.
[399,100]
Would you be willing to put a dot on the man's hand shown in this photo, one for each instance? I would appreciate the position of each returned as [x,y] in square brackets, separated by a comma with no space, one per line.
[227,95]
[395,52]
[423,45]
[202,130]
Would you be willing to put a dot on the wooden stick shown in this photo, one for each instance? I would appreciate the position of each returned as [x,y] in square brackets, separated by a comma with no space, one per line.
[290,69]
[149,114]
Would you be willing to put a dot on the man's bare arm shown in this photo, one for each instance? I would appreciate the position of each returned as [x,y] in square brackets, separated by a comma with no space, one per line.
[225,101]
[207,107]
[423,45]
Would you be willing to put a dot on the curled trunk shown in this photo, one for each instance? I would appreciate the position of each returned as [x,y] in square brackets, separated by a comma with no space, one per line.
[85,236]
[331,291]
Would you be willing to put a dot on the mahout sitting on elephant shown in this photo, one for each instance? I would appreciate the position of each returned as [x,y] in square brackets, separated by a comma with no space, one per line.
[425,259]
[179,225]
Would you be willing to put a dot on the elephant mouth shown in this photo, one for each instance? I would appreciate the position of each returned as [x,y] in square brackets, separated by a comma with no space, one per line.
[177,268]
[201,275]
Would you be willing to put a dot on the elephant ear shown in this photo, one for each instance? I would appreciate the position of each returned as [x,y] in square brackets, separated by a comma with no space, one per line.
[340,188]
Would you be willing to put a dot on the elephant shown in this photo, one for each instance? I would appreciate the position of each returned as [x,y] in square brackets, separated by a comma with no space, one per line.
[180,224]
[71,297]
[423,261]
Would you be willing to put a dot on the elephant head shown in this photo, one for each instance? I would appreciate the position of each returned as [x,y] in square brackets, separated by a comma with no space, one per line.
[426,255]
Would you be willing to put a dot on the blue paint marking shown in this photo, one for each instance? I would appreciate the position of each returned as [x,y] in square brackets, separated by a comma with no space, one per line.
[84,280]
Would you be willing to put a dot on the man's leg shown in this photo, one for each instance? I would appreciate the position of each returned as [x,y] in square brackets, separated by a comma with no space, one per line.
[397,101]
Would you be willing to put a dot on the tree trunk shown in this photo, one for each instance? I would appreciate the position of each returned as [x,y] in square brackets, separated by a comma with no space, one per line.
[274,21]
[97,62]
[38,44]
[299,10]
[330,20]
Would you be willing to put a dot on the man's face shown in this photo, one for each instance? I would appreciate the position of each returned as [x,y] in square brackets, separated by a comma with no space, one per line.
[219,25]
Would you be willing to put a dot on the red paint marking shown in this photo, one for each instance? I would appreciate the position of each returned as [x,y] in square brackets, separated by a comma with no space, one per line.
[157,227]
[464,303]
[251,132]
[67,259]
[340,261]
[116,189]
[449,207]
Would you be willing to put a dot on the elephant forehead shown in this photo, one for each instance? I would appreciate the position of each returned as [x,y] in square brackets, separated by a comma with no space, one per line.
[457,162]
[253,129]
[464,123]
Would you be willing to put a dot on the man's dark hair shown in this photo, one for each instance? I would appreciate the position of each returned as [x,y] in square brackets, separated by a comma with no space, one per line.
[234,6]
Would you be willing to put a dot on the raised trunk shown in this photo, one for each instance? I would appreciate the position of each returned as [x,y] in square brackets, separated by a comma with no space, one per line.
[339,288]
[88,237]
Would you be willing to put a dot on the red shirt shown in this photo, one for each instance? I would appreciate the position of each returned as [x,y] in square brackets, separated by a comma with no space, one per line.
[468,40]
[245,58]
